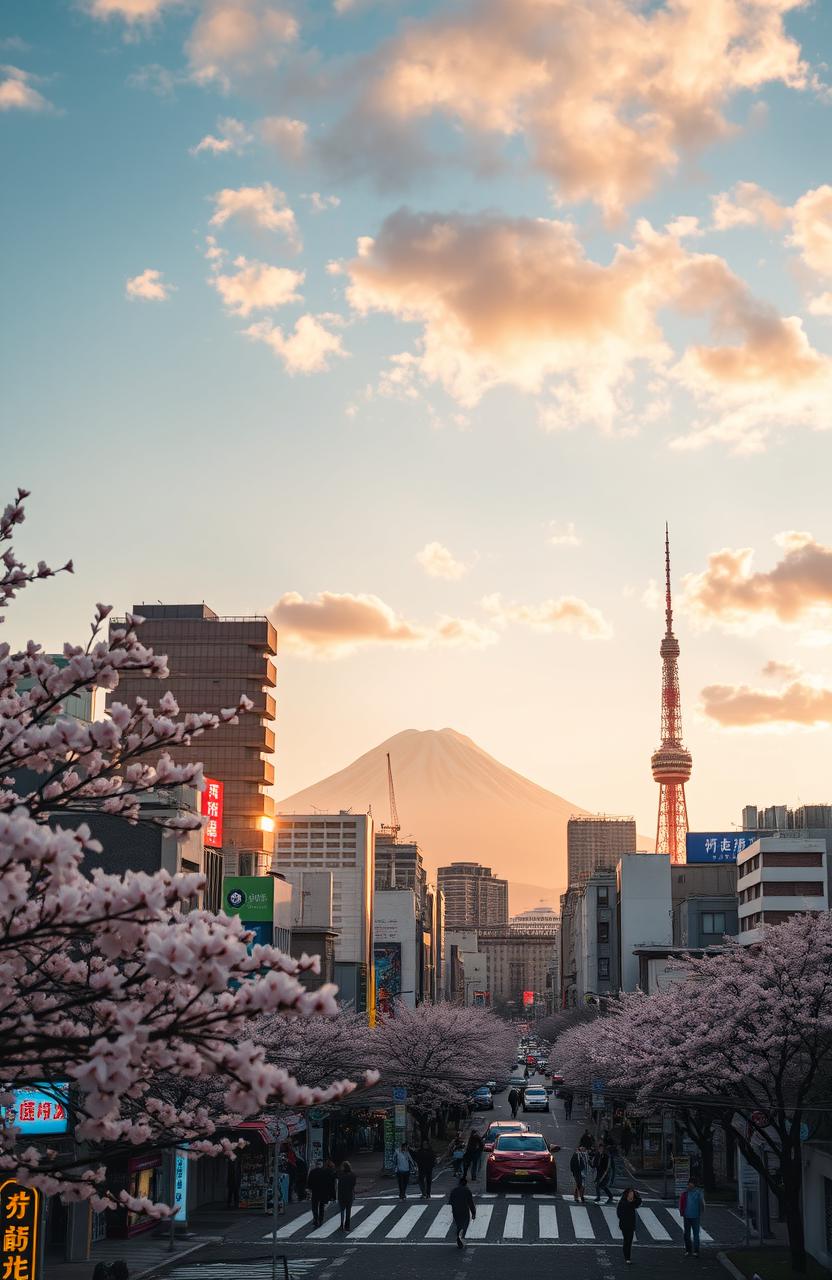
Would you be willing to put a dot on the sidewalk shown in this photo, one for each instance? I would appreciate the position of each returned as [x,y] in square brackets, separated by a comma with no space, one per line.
[142,1255]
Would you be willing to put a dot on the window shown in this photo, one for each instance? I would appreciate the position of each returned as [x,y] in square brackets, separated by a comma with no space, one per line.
[603,895]
[603,969]
[713,922]
[603,931]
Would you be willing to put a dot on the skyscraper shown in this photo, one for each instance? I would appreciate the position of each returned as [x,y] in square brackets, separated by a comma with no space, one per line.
[672,763]
[597,841]
[212,660]
[473,895]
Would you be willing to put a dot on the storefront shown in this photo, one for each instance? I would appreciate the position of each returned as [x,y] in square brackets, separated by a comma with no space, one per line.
[143,1181]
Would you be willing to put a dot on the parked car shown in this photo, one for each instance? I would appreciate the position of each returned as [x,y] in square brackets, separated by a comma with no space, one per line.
[535,1098]
[557,1083]
[498,1127]
[522,1158]
[482,1100]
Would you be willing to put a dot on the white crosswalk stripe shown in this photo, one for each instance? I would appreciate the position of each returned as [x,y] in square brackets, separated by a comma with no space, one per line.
[368,1226]
[441,1224]
[548,1222]
[291,1228]
[581,1224]
[401,1229]
[254,1270]
[513,1227]
[651,1222]
[611,1219]
[478,1229]
[334,1224]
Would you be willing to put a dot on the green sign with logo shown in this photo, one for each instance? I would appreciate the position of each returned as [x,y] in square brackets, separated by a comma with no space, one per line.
[250,897]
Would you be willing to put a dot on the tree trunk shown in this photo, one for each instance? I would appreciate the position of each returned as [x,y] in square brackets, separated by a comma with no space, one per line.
[792,1179]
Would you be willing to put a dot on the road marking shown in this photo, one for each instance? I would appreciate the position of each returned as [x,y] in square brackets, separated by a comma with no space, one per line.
[368,1226]
[406,1222]
[478,1229]
[513,1226]
[651,1222]
[441,1224]
[611,1218]
[291,1228]
[581,1223]
[548,1217]
[334,1224]
[702,1232]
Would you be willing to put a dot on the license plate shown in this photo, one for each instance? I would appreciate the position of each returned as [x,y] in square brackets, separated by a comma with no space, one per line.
[521,1173]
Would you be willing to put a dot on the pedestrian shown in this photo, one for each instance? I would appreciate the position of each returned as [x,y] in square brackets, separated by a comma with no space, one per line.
[602,1175]
[568,1099]
[577,1167]
[691,1207]
[301,1175]
[586,1140]
[462,1208]
[626,1136]
[526,1073]
[346,1193]
[457,1154]
[404,1164]
[290,1164]
[319,1183]
[425,1160]
[473,1155]
[628,1205]
[513,1102]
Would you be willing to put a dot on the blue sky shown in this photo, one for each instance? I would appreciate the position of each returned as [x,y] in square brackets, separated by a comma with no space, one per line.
[176,457]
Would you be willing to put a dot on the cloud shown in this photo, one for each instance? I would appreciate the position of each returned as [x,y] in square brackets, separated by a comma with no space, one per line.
[14,44]
[156,79]
[438,562]
[149,286]
[256,286]
[747,205]
[286,135]
[262,207]
[567,613]
[797,591]
[233,137]
[800,703]
[563,535]
[238,39]
[17,91]
[333,625]
[308,348]
[781,670]
[132,12]
[811,218]
[606,98]
[319,203]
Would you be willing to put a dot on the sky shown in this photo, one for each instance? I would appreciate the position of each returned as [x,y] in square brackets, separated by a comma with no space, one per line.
[411,325]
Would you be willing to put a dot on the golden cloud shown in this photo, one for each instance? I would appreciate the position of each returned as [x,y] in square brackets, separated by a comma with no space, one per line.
[798,590]
[334,625]
[743,707]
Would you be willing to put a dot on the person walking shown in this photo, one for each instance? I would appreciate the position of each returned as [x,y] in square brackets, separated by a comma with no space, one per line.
[346,1193]
[568,1100]
[691,1207]
[586,1140]
[473,1155]
[319,1182]
[463,1209]
[602,1175]
[577,1167]
[404,1165]
[425,1160]
[628,1206]
[457,1153]
[513,1102]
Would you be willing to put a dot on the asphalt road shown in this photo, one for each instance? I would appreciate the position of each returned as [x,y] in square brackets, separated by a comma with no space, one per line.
[396,1241]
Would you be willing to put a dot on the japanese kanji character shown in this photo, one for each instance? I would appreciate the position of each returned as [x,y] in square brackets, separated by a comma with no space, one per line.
[44,1110]
[26,1111]
[16,1239]
[18,1203]
[16,1267]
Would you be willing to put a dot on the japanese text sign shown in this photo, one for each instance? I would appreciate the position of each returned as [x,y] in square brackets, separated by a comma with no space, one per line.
[19,1221]
[211,809]
[717,846]
[38,1112]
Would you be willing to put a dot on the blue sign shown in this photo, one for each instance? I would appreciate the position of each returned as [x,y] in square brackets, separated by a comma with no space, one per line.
[180,1186]
[399,1093]
[718,846]
[38,1112]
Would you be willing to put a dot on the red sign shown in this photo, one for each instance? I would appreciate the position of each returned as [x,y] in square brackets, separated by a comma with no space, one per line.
[528,997]
[211,809]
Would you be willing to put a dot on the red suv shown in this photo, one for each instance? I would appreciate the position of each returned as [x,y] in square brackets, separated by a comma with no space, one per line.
[520,1158]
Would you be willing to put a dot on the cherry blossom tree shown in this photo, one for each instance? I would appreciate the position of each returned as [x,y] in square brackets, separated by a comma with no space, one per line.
[108,983]
[440,1053]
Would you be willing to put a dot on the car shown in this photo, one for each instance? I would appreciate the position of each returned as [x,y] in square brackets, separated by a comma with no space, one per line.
[498,1127]
[522,1158]
[517,1082]
[535,1098]
[557,1082]
[498,1086]
[481,1100]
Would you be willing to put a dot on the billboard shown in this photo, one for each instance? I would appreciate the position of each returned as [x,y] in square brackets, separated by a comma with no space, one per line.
[252,899]
[717,846]
[387,962]
[528,998]
[36,1112]
[210,806]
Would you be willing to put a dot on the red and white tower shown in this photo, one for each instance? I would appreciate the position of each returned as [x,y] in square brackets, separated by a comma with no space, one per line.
[672,763]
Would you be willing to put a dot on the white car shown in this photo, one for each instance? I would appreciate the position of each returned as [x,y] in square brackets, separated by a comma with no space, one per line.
[535,1098]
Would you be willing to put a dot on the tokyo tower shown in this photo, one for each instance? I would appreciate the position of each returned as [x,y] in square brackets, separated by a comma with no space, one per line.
[672,763]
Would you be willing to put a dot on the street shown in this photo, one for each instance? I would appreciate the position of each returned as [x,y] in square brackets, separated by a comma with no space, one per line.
[551,1230]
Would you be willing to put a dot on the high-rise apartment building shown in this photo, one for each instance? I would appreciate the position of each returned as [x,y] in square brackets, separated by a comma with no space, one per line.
[597,842]
[399,865]
[212,661]
[474,896]
[343,844]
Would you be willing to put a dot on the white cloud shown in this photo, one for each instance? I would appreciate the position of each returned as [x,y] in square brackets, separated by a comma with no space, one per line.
[563,535]
[286,135]
[319,203]
[438,562]
[17,91]
[567,613]
[262,207]
[308,348]
[235,40]
[132,12]
[256,286]
[232,136]
[149,286]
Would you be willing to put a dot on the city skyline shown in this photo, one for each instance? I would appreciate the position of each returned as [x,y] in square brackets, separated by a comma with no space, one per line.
[344,408]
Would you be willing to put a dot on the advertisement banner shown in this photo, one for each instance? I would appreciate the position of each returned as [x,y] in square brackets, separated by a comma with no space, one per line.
[717,846]
[681,1173]
[528,998]
[180,1186]
[36,1112]
[20,1213]
[210,806]
[250,897]
[387,962]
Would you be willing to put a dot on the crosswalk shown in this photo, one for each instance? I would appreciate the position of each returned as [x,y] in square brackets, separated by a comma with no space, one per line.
[257,1270]
[500,1220]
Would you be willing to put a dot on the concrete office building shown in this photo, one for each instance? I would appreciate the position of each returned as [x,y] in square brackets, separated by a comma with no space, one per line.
[588,943]
[704,899]
[474,896]
[341,843]
[468,967]
[517,963]
[597,841]
[312,930]
[805,822]
[777,877]
[212,661]
[645,915]
[398,950]
[399,865]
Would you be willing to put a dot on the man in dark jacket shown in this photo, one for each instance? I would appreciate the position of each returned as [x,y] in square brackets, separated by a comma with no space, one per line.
[577,1167]
[462,1208]
[346,1193]
[425,1160]
[321,1184]
[603,1172]
[628,1207]
[513,1102]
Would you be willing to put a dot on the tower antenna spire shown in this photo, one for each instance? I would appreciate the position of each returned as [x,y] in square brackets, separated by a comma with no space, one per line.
[672,763]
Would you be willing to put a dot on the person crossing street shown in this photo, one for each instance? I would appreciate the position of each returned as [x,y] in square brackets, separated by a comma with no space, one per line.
[404,1168]
[463,1209]
[425,1160]
[691,1207]
[627,1211]
[603,1174]
[473,1155]
[346,1193]
[578,1167]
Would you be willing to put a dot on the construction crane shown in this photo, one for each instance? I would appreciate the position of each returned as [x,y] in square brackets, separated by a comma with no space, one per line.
[394,827]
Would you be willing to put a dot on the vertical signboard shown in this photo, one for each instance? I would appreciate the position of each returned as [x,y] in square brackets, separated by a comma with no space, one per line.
[211,809]
[19,1222]
[180,1186]
[387,962]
